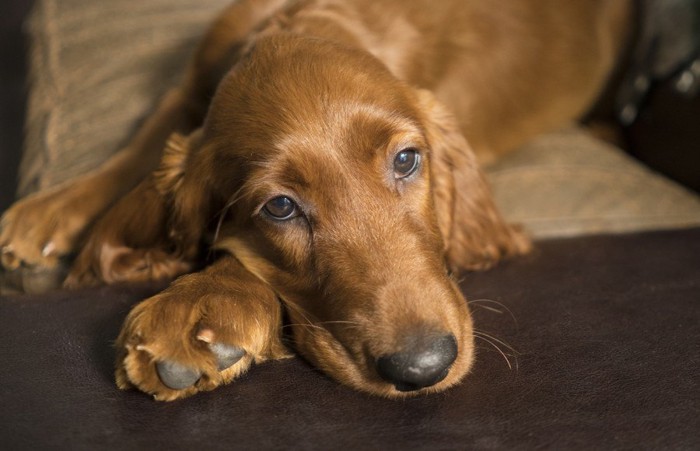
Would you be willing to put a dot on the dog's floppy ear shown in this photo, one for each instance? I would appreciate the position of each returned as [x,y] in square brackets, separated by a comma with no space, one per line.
[476,235]
[187,192]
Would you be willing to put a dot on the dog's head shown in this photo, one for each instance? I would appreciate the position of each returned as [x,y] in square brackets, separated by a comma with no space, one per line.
[352,195]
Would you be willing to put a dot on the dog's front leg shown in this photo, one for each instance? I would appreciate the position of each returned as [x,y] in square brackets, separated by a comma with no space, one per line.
[205,330]
[131,243]
[37,232]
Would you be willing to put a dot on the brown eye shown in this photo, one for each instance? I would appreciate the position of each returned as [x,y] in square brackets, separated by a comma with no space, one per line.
[406,163]
[281,208]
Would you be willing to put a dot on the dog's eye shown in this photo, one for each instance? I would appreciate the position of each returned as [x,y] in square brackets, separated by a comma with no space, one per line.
[406,163]
[281,208]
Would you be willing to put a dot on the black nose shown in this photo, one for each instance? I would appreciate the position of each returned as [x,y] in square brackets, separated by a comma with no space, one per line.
[422,364]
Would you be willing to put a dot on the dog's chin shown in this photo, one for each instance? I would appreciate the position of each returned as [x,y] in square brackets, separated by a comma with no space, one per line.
[357,370]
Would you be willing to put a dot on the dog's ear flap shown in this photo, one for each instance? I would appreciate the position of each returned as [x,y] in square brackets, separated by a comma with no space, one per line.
[186,193]
[476,235]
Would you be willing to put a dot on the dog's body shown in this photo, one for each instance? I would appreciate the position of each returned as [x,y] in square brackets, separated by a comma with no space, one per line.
[327,169]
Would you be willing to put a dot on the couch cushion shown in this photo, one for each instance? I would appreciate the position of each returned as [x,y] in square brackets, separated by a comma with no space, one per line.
[568,183]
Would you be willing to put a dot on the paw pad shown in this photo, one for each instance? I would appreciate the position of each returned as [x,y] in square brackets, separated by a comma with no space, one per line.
[226,355]
[176,376]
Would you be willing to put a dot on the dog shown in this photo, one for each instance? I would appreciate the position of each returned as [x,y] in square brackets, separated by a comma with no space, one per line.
[328,154]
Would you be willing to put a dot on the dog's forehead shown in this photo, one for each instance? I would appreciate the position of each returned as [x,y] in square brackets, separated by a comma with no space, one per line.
[350,140]
[285,82]
[326,160]
[333,113]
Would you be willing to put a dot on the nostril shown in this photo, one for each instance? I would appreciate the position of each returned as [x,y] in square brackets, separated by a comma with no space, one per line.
[426,362]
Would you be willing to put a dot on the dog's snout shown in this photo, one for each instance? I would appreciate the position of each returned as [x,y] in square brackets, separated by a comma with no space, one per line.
[426,362]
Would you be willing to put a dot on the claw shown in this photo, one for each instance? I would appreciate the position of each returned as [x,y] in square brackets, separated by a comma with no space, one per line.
[226,355]
[176,376]
[48,249]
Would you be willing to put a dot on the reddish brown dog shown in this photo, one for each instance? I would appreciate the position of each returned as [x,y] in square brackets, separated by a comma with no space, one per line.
[320,145]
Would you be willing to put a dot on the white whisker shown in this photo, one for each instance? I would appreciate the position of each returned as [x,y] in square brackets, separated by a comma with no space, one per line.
[505,357]
[302,325]
[222,213]
[493,341]
[479,303]
[501,342]
[300,311]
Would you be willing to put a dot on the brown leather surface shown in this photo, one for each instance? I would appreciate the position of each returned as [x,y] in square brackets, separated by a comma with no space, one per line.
[606,328]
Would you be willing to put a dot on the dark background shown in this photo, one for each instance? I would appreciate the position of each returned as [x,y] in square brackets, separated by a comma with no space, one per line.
[13,64]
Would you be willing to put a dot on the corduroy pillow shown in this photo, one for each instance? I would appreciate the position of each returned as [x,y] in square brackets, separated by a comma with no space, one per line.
[568,183]
[98,67]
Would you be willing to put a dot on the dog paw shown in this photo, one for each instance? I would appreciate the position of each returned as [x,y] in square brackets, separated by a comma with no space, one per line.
[38,232]
[112,264]
[202,332]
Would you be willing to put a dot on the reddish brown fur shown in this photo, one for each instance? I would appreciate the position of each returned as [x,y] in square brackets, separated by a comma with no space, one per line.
[322,96]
